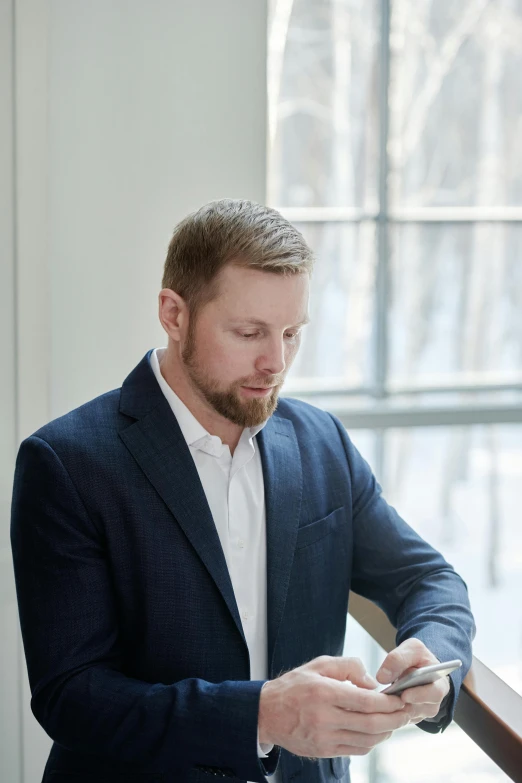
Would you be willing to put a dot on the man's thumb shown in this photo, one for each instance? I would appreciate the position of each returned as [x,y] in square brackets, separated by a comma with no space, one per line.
[351,669]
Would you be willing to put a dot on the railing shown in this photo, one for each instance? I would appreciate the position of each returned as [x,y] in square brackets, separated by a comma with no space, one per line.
[488,710]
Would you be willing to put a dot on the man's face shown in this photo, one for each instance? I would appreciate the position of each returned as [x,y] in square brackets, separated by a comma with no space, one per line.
[243,342]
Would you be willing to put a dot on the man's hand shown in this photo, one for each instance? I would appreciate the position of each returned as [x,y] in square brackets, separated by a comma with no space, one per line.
[423,701]
[315,711]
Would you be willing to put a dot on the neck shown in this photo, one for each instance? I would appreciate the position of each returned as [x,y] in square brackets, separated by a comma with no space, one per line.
[172,369]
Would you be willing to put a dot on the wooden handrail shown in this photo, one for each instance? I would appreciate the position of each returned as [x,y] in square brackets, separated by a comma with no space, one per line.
[488,710]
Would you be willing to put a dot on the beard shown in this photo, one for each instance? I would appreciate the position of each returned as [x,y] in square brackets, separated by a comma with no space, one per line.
[228,402]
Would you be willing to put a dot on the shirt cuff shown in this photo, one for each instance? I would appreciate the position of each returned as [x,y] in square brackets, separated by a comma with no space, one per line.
[263,749]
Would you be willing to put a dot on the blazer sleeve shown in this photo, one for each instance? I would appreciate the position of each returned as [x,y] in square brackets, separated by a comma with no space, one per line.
[408,579]
[70,632]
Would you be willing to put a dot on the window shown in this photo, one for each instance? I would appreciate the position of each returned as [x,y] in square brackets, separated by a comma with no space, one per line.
[394,145]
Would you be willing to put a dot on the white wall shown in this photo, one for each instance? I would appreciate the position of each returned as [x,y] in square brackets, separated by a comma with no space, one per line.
[127,115]
[10,668]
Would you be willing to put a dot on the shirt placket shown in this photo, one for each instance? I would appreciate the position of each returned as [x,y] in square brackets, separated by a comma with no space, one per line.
[239,543]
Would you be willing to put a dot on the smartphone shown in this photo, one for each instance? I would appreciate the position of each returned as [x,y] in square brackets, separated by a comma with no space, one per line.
[422,676]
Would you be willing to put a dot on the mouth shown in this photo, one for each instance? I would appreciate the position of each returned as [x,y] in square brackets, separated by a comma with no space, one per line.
[259,391]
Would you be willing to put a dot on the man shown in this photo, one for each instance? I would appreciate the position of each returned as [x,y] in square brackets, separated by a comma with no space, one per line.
[180,542]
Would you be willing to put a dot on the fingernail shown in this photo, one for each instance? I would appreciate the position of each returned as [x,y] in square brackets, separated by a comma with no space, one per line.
[386,673]
[369,680]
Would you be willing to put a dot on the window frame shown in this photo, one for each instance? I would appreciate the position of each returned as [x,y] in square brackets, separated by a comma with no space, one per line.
[385,412]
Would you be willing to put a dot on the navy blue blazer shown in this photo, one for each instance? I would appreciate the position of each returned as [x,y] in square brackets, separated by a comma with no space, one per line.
[137,661]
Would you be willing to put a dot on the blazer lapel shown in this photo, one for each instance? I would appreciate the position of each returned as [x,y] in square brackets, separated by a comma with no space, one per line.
[283,480]
[158,446]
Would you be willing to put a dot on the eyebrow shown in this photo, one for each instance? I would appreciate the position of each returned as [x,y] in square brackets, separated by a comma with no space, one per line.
[258,322]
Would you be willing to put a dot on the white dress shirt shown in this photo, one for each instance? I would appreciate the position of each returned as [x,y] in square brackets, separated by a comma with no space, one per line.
[235,493]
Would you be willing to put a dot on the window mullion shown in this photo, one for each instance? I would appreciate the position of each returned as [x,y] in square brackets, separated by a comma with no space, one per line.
[382,272]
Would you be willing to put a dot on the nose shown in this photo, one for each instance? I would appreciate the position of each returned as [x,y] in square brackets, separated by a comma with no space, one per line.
[272,361]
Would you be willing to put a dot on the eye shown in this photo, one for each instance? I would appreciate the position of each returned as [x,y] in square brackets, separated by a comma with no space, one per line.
[293,335]
[248,336]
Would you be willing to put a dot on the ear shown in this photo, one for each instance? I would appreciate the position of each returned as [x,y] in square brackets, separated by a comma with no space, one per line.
[173,313]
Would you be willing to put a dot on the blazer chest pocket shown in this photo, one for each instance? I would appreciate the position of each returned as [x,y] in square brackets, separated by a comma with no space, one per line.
[313,532]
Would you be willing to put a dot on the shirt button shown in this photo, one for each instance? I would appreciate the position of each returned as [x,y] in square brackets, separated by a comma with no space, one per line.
[244,615]
[241,543]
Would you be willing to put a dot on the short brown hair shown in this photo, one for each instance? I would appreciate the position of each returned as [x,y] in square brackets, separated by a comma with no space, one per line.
[231,231]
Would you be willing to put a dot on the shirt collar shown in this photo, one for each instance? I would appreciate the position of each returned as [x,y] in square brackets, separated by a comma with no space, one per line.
[190,427]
